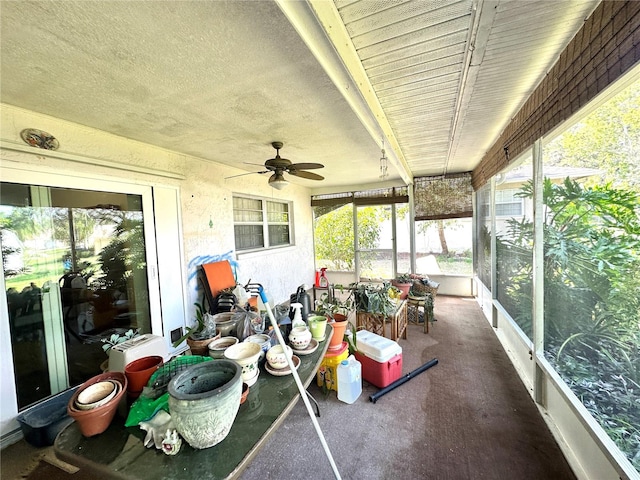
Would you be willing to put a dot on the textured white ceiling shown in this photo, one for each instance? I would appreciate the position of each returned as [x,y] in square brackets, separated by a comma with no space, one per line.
[221,80]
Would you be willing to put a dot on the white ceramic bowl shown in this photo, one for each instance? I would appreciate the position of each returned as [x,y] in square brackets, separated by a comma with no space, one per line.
[261,339]
[276,356]
[246,354]
[225,323]
[96,395]
[217,347]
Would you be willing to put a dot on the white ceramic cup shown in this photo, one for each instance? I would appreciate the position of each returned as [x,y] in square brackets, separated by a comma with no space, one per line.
[246,354]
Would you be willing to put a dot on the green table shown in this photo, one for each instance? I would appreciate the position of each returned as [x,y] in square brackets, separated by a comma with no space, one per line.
[120,453]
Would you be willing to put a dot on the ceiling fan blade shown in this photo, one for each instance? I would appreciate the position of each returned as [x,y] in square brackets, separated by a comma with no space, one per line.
[306,166]
[243,174]
[303,174]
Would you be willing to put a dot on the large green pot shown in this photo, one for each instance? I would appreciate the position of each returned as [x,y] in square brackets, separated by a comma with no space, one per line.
[204,400]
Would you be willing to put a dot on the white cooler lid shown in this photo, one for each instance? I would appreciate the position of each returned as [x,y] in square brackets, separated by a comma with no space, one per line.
[377,348]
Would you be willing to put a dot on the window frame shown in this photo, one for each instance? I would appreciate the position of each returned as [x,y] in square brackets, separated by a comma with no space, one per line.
[264,222]
[508,203]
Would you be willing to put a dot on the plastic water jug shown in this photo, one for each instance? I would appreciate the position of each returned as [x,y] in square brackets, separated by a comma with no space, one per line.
[349,380]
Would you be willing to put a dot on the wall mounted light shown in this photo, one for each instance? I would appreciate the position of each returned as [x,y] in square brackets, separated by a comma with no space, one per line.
[39,139]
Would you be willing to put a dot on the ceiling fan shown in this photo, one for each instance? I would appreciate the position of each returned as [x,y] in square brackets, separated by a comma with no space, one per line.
[279,166]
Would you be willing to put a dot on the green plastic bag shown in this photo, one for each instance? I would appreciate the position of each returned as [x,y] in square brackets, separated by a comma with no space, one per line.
[154,396]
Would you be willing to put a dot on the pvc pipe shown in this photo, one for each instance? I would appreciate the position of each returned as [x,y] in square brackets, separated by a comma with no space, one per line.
[402,380]
[301,389]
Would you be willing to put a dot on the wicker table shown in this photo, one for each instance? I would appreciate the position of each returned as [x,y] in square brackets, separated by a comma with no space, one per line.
[417,303]
[376,323]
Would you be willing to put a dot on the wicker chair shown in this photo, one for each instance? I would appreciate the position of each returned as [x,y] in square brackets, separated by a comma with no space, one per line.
[421,297]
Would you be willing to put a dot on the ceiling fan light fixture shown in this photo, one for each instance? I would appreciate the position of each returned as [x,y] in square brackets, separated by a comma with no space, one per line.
[277,181]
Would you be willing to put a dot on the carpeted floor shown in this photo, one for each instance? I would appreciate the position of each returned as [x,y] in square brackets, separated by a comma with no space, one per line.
[468,417]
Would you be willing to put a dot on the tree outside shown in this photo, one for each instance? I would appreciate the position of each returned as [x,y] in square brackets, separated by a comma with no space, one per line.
[334,236]
[591,263]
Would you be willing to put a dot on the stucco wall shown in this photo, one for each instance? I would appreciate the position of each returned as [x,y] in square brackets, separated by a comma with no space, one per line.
[205,194]
[205,198]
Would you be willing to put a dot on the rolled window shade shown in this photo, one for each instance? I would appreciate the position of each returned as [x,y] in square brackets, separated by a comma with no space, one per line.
[448,196]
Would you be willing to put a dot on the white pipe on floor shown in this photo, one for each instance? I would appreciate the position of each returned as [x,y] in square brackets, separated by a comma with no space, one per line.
[296,377]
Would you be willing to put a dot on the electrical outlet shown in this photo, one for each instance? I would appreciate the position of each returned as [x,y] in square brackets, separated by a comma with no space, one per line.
[176,334]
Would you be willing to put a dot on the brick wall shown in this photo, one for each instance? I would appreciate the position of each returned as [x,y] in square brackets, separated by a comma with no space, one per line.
[606,47]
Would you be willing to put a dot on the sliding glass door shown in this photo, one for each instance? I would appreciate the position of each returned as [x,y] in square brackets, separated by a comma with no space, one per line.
[75,272]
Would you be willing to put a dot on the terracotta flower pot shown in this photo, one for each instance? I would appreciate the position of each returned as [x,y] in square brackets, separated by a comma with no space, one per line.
[139,372]
[97,420]
[339,327]
[403,287]
[245,393]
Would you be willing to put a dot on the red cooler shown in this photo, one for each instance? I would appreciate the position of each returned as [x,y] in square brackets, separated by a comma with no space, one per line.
[380,357]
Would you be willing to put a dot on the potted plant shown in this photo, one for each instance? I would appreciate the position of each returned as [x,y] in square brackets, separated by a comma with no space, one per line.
[328,305]
[373,304]
[200,335]
[372,298]
[116,339]
[336,312]
[403,282]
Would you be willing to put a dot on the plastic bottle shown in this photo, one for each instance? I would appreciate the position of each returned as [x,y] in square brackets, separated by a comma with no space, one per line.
[349,380]
[324,281]
[297,316]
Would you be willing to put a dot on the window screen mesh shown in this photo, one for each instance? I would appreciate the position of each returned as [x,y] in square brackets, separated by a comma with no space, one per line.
[448,196]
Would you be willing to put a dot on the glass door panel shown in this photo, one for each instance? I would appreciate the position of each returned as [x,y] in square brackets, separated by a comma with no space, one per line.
[375,246]
[75,273]
[403,238]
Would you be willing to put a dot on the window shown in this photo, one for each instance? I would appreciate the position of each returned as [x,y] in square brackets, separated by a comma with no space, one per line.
[514,245]
[589,233]
[507,203]
[444,247]
[261,223]
[378,237]
[483,234]
[591,281]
